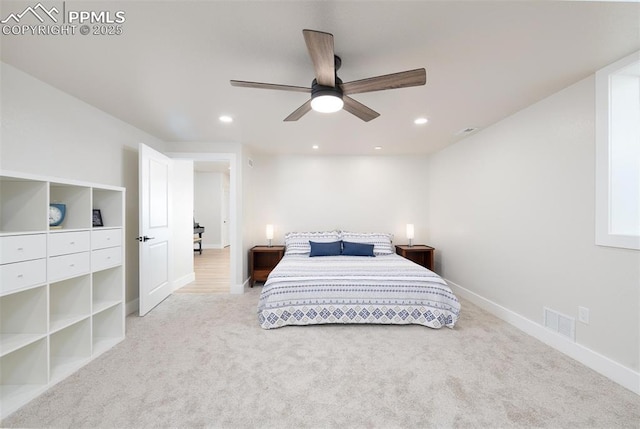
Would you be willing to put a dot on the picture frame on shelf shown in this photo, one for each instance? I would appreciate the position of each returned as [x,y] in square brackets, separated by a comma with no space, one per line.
[97,218]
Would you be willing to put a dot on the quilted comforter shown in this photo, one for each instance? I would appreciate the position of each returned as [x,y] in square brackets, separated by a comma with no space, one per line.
[386,289]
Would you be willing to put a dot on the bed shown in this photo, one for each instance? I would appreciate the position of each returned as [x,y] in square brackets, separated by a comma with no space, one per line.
[322,285]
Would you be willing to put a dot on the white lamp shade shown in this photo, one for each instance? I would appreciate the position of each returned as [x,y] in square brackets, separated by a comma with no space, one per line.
[326,103]
[410,231]
[269,232]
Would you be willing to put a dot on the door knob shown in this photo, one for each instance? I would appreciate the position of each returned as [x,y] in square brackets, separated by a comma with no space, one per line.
[144,238]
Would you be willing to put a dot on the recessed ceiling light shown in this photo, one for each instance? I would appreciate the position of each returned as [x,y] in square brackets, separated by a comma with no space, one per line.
[377,148]
[420,121]
[226,119]
[315,146]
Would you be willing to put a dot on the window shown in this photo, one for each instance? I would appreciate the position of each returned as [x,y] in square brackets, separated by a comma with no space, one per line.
[618,154]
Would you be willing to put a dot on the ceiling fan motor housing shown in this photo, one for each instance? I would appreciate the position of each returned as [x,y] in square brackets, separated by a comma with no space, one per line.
[317,90]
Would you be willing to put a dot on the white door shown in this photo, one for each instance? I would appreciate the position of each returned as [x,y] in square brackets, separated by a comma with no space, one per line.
[225,210]
[155,246]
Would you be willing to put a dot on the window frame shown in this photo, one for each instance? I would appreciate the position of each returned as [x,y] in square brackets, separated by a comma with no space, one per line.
[604,235]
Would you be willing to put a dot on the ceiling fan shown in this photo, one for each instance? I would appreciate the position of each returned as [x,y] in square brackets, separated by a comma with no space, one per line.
[328,92]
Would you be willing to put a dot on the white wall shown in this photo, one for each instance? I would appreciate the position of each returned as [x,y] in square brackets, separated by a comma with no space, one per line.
[512,215]
[357,193]
[208,207]
[182,224]
[48,132]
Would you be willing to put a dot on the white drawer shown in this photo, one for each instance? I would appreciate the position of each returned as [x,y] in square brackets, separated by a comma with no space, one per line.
[106,238]
[22,274]
[106,258]
[66,266]
[68,242]
[16,248]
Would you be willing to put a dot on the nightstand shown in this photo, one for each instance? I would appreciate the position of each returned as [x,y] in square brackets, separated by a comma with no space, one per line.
[418,253]
[262,260]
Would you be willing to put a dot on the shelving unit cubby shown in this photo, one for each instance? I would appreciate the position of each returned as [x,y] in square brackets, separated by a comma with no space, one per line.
[70,348]
[23,319]
[108,328]
[24,374]
[69,302]
[105,288]
[24,205]
[78,202]
[62,291]
[110,206]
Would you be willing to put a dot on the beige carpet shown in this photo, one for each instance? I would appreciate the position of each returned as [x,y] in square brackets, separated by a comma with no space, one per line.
[203,361]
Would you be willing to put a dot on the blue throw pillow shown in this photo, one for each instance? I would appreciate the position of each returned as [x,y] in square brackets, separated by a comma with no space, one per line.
[357,249]
[325,249]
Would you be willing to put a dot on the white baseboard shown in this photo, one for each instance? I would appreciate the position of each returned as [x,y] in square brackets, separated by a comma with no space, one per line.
[184,280]
[240,289]
[132,306]
[618,373]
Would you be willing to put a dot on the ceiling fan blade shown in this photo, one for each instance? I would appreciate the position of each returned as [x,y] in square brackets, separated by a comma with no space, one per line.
[245,84]
[360,110]
[299,112]
[403,79]
[320,47]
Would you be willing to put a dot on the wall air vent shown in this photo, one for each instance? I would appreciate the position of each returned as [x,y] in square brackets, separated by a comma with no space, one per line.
[560,323]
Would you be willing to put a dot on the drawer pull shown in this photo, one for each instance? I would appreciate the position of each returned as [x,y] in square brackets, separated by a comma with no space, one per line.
[20,249]
[20,276]
[72,265]
[72,243]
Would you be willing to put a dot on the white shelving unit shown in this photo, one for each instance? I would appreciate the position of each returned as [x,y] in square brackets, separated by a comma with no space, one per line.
[61,289]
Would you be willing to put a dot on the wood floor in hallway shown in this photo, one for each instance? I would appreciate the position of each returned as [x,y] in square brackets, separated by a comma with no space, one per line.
[212,272]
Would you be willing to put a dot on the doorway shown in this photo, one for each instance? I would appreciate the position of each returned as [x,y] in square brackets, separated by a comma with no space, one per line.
[227,228]
[211,256]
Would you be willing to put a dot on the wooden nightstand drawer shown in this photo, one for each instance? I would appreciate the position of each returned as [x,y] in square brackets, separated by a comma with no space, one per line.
[418,253]
[262,260]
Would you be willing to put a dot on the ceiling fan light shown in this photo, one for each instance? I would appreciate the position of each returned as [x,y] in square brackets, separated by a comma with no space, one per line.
[327,103]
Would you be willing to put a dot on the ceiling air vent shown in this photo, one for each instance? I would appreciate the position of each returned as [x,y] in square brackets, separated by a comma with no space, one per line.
[466,131]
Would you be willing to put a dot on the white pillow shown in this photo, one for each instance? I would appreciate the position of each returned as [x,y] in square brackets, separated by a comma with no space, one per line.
[381,241]
[298,242]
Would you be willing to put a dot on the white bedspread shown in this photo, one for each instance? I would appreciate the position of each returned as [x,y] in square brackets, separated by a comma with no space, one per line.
[386,289]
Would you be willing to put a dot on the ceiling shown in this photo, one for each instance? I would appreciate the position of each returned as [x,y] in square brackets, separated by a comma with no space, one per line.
[168,73]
